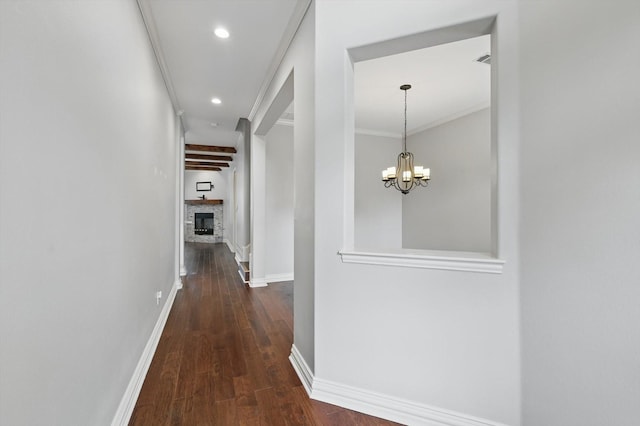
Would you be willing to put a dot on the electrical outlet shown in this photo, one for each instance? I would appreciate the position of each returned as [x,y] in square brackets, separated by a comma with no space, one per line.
[158,297]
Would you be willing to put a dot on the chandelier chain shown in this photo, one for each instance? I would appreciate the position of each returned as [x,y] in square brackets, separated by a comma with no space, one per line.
[404,135]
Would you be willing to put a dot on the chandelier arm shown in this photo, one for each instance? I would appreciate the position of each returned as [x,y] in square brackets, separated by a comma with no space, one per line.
[398,182]
[410,187]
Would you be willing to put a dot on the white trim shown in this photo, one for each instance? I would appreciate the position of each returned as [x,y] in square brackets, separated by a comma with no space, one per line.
[178,285]
[258,282]
[285,122]
[264,282]
[242,277]
[128,401]
[181,207]
[360,131]
[302,369]
[450,261]
[278,278]
[229,245]
[242,253]
[377,404]
[396,135]
[395,409]
[295,21]
[154,40]
[373,132]
[450,117]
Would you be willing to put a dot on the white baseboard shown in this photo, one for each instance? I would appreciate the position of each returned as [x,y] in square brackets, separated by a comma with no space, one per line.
[264,282]
[391,408]
[377,404]
[228,243]
[242,253]
[302,369]
[128,401]
[278,278]
[183,271]
[257,282]
[242,277]
[178,284]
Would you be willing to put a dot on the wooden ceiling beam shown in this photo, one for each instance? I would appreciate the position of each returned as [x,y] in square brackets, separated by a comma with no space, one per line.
[208,157]
[206,169]
[210,148]
[205,163]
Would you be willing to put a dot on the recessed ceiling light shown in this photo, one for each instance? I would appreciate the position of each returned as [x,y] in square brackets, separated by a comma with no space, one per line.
[216,101]
[221,32]
[212,124]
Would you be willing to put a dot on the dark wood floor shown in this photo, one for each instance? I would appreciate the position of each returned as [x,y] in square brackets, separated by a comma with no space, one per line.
[223,356]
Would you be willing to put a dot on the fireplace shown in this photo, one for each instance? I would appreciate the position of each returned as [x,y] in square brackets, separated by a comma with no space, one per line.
[203,224]
[203,221]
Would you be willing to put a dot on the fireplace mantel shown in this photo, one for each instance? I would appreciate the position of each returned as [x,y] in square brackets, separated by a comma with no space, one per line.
[200,202]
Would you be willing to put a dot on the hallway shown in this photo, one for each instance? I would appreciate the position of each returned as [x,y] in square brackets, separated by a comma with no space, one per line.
[223,355]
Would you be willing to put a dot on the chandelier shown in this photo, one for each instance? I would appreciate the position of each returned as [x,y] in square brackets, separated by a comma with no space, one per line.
[405,176]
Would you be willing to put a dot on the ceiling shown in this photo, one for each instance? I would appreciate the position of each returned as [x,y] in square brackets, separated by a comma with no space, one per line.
[197,65]
[446,81]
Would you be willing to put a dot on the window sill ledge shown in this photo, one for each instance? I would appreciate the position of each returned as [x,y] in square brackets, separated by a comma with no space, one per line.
[427,259]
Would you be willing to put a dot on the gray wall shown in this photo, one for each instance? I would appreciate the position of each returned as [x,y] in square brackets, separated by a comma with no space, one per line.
[378,210]
[219,179]
[279,201]
[299,63]
[454,211]
[436,338]
[242,163]
[87,207]
[580,221]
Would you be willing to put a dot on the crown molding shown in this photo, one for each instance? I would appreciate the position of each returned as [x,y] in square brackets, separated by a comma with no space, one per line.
[302,6]
[152,32]
[285,122]
[450,117]
[382,133]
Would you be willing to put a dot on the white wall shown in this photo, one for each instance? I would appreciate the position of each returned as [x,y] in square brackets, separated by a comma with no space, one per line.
[378,210]
[454,211]
[87,207]
[580,224]
[219,180]
[436,338]
[279,202]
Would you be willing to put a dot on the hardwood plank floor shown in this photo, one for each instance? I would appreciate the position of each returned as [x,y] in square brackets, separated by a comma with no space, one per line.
[223,355]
